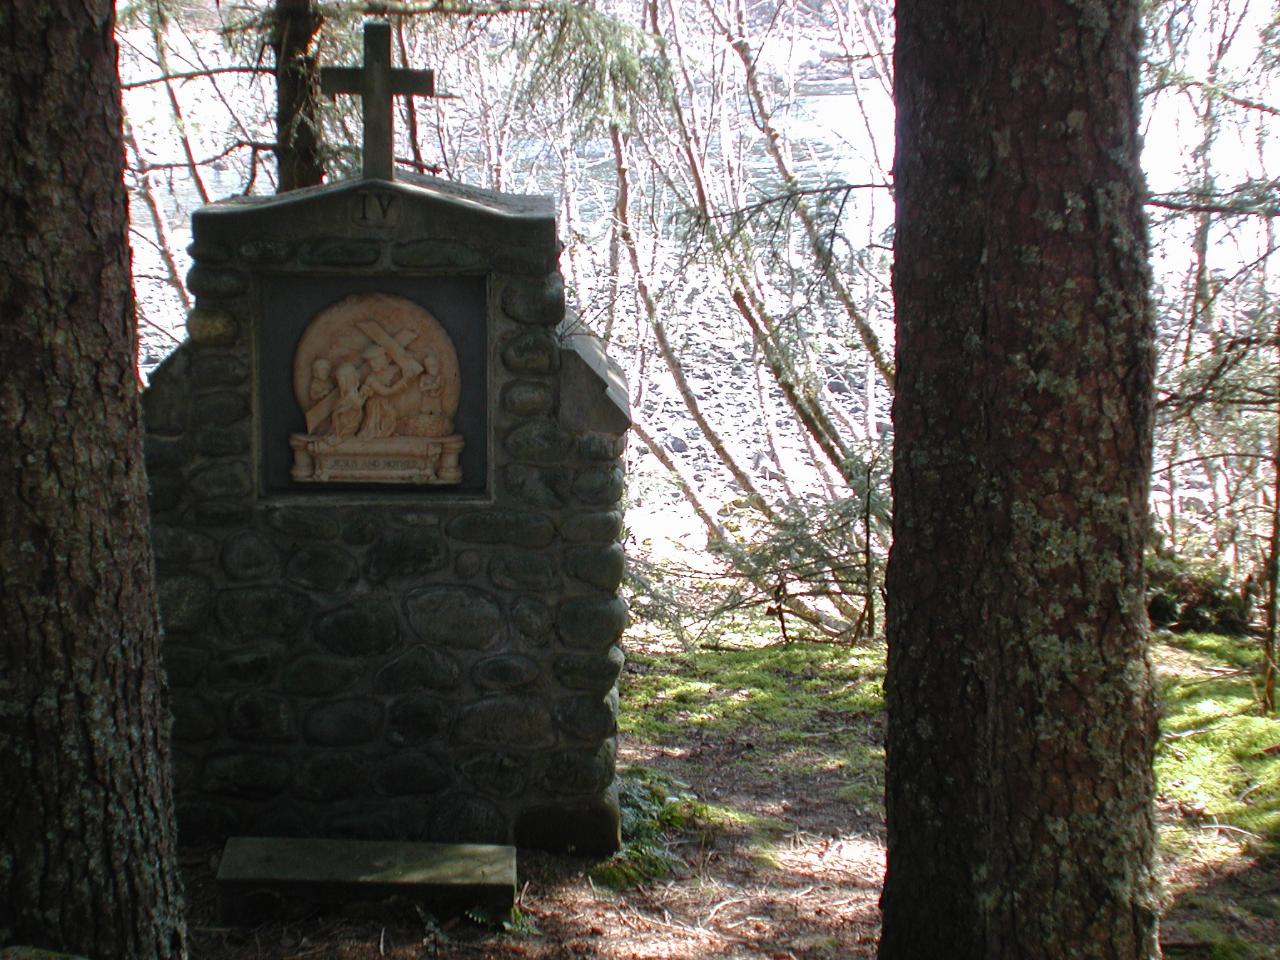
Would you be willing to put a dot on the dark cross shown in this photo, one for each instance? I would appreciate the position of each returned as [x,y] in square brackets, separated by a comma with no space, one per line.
[376,83]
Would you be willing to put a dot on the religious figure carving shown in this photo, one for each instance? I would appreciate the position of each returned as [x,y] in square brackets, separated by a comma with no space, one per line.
[377,379]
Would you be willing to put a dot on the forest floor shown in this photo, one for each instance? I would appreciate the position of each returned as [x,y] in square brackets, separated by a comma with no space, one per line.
[752,782]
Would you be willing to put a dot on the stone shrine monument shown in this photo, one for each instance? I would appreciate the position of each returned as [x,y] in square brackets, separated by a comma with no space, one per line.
[385,495]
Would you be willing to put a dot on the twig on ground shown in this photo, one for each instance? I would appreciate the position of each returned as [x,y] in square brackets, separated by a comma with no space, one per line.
[721,905]
[1186,733]
[1221,827]
[1248,790]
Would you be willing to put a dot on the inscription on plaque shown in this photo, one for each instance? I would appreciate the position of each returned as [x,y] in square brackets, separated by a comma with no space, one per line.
[377,379]
[370,209]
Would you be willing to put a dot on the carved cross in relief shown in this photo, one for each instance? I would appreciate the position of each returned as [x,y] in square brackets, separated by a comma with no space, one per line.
[376,83]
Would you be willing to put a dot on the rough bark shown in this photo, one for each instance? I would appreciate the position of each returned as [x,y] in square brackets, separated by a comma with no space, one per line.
[298,159]
[86,831]
[1021,715]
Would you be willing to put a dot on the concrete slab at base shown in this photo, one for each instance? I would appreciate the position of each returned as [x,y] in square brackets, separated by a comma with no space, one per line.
[259,876]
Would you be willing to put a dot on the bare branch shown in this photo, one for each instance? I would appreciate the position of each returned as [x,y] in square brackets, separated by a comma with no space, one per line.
[204,74]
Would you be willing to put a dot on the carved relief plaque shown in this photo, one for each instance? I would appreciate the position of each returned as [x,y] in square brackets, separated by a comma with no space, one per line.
[377,378]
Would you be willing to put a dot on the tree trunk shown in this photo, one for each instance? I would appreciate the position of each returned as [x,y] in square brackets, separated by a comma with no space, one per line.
[297,126]
[86,827]
[1021,713]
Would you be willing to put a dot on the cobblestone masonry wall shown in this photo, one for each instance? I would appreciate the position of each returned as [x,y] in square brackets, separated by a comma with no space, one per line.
[391,665]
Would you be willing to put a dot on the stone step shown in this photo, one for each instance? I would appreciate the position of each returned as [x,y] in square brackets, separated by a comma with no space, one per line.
[261,877]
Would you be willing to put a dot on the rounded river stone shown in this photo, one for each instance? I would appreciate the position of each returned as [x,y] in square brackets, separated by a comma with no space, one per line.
[215,282]
[583,671]
[467,564]
[528,398]
[601,527]
[532,618]
[408,774]
[496,772]
[327,569]
[509,721]
[219,370]
[580,771]
[592,717]
[360,527]
[509,527]
[539,441]
[505,672]
[359,629]
[164,408]
[415,719]
[602,446]
[539,302]
[185,602]
[340,252]
[221,480]
[261,717]
[447,254]
[254,776]
[221,409]
[416,668]
[591,623]
[250,556]
[221,441]
[221,512]
[178,546]
[465,819]
[207,252]
[588,717]
[599,486]
[305,523]
[404,554]
[361,821]
[598,566]
[262,610]
[344,723]
[538,488]
[524,571]
[532,352]
[266,251]
[317,675]
[455,616]
[330,776]
[252,665]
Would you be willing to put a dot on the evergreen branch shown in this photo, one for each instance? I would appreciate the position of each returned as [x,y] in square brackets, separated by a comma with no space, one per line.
[1226,209]
[1184,83]
[340,10]
[1258,198]
[787,199]
[415,8]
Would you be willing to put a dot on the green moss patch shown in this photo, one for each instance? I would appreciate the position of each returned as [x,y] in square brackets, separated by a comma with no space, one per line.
[1218,759]
[799,689]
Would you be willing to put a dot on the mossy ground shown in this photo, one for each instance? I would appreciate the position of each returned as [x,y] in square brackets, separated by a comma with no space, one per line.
[752,774]
[1218,776]
[1217,763]
[786,711]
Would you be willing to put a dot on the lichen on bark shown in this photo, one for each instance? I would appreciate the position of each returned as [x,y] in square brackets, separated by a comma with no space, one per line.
[1021,712]
[86,833]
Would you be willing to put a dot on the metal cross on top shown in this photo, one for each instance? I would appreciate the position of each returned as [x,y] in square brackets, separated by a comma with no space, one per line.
[376,83]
